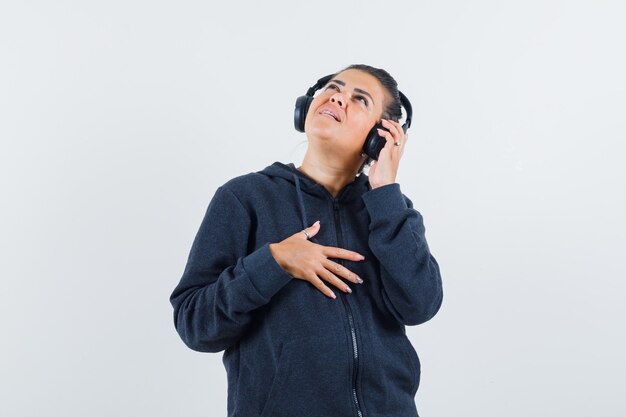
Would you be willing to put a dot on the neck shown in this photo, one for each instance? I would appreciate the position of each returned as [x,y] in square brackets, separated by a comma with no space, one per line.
[334,177]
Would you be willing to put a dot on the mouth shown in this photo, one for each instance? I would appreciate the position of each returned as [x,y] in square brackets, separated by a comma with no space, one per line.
[330,113]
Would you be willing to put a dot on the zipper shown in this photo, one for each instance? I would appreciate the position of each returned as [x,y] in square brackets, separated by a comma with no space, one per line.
[343,296]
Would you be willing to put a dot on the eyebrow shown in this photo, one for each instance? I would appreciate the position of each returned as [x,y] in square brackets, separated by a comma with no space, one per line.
[358,90]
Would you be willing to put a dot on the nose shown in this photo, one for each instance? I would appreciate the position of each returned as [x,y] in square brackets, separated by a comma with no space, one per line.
[338,99]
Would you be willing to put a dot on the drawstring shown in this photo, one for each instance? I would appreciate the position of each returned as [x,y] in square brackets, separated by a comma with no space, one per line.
[301,202]
[305,223]
[357,182]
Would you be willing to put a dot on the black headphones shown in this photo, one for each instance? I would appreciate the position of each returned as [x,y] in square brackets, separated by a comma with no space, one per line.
[374,143]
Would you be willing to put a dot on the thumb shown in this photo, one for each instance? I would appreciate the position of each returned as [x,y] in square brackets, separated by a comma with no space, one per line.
[311,230]
[373,168]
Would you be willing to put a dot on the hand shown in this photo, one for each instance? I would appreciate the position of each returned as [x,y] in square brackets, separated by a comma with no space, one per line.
[384,170]
[308,261]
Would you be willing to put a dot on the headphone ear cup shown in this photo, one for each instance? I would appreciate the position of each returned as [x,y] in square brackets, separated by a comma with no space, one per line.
[302,108]
[374,143]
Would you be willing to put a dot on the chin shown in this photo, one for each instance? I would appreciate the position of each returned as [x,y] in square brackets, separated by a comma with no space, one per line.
[315,131]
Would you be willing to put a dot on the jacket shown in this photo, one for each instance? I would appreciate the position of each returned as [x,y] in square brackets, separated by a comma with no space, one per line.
[289,350]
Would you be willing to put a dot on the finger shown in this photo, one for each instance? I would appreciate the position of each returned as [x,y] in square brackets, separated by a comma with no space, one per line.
[332,279]
[388,124]
[372,169]
[401,133]
[390,140]
[397,125]
[342,271]
[398,133]
[311,230]
[319,284]
[385,134]
[334,252]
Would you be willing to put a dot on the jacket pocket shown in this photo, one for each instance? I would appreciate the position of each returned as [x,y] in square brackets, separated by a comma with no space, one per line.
[312,378]
[414,361]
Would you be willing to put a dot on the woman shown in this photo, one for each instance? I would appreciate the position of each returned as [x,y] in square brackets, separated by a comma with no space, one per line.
[258,280]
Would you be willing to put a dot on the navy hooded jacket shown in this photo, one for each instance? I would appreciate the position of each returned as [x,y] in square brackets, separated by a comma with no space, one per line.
[289,350]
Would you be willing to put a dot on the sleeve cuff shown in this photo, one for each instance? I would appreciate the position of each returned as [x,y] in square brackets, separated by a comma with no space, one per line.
[382,200]
[264,272]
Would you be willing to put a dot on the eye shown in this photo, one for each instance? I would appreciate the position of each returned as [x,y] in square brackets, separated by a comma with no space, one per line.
[362,98]
[332,86]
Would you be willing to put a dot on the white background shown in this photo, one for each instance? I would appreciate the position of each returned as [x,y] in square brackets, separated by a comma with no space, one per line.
[119,119]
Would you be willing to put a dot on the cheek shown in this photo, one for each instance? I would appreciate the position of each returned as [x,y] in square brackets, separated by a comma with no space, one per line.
[358,130]
[310,112]
[317,101]
[364,124]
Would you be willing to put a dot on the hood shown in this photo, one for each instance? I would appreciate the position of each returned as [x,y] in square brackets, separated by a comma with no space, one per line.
[306,184]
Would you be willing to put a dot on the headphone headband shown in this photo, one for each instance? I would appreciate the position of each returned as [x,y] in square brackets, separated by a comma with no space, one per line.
[319,84]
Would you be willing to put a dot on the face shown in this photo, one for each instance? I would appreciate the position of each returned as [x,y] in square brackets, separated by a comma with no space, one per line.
[344,111]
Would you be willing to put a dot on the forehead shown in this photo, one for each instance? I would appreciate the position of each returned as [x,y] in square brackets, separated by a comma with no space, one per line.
[359,79]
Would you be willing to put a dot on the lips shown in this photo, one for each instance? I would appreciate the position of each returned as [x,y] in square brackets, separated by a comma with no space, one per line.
[329,111]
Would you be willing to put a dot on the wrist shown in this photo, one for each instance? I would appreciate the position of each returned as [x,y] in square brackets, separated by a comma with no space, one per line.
[274,251]
[382,184]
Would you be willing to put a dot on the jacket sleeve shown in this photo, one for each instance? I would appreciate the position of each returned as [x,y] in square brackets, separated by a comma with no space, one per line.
[411,280]
[222,285]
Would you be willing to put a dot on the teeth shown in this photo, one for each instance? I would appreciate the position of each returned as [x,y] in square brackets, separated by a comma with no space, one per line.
[330,113]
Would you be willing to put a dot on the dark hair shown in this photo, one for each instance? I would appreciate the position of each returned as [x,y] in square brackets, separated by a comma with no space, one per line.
[393,108]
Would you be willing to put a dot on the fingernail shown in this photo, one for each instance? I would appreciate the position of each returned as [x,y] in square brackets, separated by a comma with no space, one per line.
[332,294]
[359,280]
[317,222]
[348,290]
[361,257]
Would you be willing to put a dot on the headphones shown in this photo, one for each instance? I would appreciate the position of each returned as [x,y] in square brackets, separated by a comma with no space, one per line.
[374,143]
